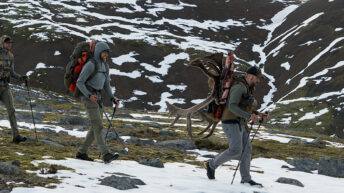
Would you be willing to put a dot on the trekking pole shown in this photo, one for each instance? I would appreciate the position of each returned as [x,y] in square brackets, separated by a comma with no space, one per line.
[243,150]
[33,119]
[107,132]
[118,137]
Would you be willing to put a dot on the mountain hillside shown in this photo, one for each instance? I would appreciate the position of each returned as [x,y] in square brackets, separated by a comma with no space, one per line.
[298,44]
[159,156]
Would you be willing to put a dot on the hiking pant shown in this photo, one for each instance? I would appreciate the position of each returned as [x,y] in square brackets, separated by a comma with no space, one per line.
[7,98]
[236,140]
[96,131]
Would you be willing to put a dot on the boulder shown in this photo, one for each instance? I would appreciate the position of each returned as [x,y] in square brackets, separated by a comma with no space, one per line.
[289,181]
[303,164]
[297,141]
[20,100]
[121,183]
[178,144]
[166,133]
[146,118]
[63,132]
[152,162]
[47,130]
[9,168]
[331,167]
[50,143]
[127,126]
[153,124]
[74,120]
[125,116]
[27,117]
[135,140]
[318,143]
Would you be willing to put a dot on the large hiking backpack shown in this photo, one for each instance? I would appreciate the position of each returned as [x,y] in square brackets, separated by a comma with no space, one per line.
[82,53]
[215,108]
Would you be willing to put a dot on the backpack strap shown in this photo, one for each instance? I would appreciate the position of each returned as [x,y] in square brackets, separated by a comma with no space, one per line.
[96,68]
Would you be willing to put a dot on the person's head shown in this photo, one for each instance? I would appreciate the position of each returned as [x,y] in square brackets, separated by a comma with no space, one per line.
[101,52]
[253,75]
[6,42]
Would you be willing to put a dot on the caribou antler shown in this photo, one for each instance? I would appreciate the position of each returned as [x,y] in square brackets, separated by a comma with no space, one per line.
[212,67]
[211,122]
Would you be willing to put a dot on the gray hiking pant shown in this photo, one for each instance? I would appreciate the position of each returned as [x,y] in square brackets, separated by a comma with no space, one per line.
[7,99]
[236,140]
[96,131]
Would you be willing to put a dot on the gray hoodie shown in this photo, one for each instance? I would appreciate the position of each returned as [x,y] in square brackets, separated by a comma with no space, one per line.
[101,80]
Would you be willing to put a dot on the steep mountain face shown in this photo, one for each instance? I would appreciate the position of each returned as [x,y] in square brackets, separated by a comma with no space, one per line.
[297,43]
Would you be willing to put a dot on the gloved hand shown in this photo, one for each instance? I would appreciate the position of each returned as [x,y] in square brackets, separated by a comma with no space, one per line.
[115,101]
[23,78]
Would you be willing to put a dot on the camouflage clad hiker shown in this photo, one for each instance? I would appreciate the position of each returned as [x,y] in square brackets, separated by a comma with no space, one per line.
[91,91]
[6,73]
[237,113]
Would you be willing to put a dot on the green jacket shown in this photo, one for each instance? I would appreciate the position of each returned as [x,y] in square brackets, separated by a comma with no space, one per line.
[239,105]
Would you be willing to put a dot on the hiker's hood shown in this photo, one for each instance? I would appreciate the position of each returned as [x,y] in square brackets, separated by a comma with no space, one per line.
[100,47]
[2,40]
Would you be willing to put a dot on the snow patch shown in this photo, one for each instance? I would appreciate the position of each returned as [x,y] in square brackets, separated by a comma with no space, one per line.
[139,92]
[312,115]
[134,74]
[125,58]
[165,98]
[166,63]
[154,79]
[181,87]
[286,65]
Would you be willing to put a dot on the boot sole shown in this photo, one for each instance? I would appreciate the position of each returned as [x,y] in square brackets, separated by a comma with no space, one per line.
[112,159]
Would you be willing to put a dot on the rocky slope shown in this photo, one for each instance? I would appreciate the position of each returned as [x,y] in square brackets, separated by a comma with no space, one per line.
[298,44]
[47,165]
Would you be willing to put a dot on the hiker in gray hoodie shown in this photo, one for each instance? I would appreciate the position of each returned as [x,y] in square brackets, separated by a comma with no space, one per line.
[91,90]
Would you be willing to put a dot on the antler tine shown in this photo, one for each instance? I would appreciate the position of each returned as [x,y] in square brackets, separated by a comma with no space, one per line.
[188,125]
[175,121]
[213,66]
[206,129]
[211,131]
[199,64]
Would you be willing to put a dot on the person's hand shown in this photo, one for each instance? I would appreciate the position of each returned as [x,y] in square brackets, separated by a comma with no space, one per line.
[94,98]
[24,78]
[264,116]
[116,102]
[254,117]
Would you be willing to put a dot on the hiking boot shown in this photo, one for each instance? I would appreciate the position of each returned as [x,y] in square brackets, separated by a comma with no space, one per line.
[210,171]
[18,139]
[83,156]
[252,183]
[109,157]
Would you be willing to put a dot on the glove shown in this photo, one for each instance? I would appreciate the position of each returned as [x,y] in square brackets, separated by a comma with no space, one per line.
[24,78]
[115,101]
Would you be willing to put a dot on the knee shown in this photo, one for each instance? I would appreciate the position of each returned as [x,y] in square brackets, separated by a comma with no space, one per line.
[234,151]
[11,110]
[97,124]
